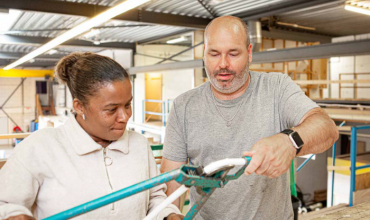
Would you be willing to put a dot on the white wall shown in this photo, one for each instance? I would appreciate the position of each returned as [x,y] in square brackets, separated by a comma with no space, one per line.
[139,96]
[123,57]
[174,82]
[22,116]
[350,64]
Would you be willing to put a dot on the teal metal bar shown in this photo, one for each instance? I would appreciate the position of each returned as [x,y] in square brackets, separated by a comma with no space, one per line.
[363,167]
[113,197]
[363,127]
[304,162]
[353,164]
[333,173]
[187,175]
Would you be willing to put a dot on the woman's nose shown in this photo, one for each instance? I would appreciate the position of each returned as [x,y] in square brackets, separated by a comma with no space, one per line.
[122,115]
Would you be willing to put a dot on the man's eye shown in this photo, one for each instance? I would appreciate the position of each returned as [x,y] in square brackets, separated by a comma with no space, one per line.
[128,105]
[112,109]
[234,54]
[214,54]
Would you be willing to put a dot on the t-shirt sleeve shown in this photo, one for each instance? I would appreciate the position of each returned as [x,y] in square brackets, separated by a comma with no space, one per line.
[174,143]
[293,103]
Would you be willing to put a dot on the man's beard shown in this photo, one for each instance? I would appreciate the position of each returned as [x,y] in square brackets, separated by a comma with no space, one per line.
[236,83]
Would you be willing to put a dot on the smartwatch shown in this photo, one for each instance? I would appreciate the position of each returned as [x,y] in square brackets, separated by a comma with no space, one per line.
[295,138]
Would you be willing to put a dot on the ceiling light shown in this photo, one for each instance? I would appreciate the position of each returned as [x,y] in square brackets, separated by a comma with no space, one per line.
[79,29]
[357,9]
[92,33]
[296,26]
[52,51]
[8,18]
[177,40]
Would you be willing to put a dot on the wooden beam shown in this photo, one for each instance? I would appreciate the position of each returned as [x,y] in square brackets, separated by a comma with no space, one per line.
[321,82]
[346,111]
[15,135]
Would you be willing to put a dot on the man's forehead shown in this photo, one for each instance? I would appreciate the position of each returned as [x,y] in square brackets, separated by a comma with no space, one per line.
[232,29]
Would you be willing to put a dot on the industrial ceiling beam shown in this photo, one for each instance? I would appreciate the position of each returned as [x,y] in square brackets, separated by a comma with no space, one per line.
[295,36]
[90,10]
[284,6]
[191,64]
[10,39]
[37,64]
[12,55]
[349,48]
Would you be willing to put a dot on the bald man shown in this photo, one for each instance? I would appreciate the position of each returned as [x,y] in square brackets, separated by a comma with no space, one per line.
[243,113]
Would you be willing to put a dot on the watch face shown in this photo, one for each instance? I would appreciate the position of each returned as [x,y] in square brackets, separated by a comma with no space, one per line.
[297,139]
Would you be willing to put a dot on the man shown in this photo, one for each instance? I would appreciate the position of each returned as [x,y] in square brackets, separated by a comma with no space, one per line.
[240,112]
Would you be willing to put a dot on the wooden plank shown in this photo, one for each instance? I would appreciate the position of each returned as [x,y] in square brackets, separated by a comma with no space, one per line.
[15,135]
[344,128]
[324,211]
[346,111]
[2,162]
[361,196]
[346,168]
[361,211]
[319,82]
[363,182]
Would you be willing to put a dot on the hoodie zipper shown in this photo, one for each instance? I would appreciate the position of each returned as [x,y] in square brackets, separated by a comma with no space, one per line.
[107,162]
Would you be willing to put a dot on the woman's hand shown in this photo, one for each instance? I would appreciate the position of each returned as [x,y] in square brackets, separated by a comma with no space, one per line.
[21,217]
[174,216]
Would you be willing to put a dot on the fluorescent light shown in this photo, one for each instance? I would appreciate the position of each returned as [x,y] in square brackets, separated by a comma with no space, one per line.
[7,19]
[92,33]
[79,29]
[357,9]
[180,39]
[52,51]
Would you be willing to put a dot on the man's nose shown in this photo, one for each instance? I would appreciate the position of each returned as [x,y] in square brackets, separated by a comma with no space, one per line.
[224,62]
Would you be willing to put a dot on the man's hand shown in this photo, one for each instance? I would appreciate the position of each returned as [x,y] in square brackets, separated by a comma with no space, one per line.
[271,156]
[20,217]
[174,216]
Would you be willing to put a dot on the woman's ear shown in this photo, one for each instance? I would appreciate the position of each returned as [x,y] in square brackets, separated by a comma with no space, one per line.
[78,106]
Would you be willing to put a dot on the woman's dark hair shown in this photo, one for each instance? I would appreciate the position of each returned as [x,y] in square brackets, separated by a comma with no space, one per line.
[84,73]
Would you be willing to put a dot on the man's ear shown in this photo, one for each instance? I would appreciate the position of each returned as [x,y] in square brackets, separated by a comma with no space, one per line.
[78,106]
[250,49]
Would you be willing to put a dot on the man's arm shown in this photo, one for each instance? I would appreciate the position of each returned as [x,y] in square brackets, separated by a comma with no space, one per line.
[317,131]
[273,155]
[172,186]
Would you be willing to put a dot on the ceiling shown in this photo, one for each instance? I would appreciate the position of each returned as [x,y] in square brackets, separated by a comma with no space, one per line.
[160,20]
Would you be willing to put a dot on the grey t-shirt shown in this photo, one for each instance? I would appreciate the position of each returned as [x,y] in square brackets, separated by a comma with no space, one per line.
[196,130]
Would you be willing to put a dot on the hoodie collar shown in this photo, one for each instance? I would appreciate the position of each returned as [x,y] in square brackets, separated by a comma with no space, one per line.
[82,143]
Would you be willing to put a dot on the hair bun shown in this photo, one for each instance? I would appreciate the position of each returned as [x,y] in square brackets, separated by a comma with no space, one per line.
[63,68]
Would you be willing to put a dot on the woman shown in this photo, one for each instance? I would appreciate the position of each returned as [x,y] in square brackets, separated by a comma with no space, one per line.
[90,156]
